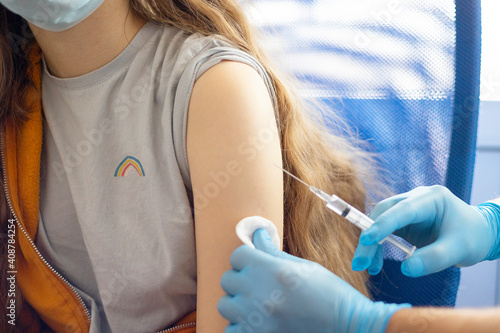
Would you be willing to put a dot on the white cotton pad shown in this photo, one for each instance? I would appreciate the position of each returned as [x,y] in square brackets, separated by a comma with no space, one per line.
[246,227]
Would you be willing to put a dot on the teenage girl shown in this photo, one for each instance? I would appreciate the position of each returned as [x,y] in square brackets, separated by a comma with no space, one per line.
[135,135]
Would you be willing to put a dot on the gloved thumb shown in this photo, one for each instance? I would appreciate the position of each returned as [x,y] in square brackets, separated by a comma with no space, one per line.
[432,258]
[263,242]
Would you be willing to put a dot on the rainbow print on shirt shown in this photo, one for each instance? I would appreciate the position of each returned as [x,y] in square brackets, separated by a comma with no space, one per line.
[129,163]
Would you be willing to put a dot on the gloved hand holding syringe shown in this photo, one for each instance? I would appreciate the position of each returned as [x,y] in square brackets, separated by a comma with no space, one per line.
[354,216]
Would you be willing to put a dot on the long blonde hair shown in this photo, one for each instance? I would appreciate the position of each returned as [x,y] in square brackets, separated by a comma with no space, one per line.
[310,150]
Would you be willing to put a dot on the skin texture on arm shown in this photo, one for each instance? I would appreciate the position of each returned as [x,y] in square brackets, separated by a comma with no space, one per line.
[232,144]
[436,320]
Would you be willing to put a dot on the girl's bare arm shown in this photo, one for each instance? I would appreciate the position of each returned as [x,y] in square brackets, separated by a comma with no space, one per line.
[439,320]
[232,144]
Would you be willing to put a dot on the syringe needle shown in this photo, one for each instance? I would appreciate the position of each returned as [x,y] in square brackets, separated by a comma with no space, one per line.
[353,215]
[322,195]
[300,180]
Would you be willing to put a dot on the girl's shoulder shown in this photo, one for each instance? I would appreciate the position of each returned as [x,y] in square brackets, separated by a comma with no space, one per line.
[182,57]
[181,46]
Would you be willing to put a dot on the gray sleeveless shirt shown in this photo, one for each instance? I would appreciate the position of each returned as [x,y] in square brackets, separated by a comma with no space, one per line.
[115,201]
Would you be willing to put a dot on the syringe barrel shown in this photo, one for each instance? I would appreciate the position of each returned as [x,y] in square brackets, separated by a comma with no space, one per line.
[353,215]
[359,219]
[363,222]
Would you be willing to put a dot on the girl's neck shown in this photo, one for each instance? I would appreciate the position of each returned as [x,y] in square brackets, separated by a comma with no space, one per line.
[92,43]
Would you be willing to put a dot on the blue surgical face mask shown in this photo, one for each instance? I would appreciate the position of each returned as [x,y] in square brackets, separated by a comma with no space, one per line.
[53,15]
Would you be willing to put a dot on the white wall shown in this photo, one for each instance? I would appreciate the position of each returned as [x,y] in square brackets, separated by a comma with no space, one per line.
[480,284]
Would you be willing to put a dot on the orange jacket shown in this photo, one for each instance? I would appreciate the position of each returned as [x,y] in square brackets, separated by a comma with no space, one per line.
[48,296]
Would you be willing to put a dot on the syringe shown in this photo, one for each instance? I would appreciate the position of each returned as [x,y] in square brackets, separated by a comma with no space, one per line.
[354,216]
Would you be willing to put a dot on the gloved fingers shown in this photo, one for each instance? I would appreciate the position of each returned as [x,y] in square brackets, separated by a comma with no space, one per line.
[377,262]
[245,255]
[433,258]
[402,214]
[384,205]
[363,257]
[263,242]
[229,309]
[232,282]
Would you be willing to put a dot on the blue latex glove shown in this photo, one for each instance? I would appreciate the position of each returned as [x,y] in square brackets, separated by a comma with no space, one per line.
[272,291]
[446,230]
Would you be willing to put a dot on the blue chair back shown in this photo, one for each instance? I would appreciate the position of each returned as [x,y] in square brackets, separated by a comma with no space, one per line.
[405,77]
